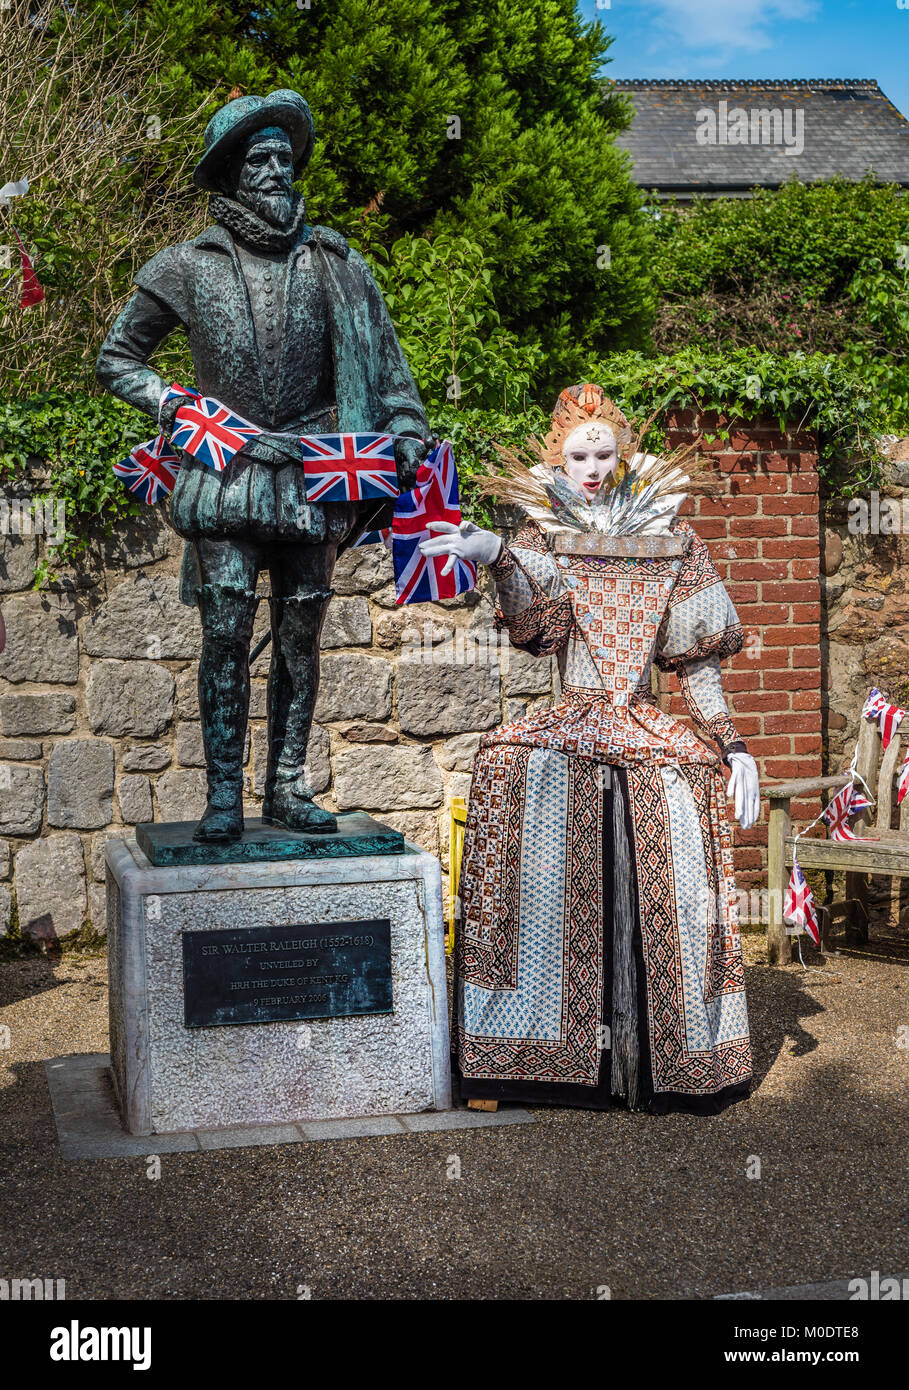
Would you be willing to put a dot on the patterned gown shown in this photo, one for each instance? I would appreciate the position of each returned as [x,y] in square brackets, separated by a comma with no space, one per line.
[598,955]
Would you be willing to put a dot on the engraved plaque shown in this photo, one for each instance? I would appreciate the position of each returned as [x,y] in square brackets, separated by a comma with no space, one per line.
[272,974]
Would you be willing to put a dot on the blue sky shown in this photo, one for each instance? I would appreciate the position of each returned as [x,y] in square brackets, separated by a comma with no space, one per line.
[759,38]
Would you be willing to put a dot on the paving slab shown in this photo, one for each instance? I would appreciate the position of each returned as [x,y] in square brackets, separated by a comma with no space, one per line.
[85,1112]
[89,1126]
[359,1128]
[247,1135]
[466,1119]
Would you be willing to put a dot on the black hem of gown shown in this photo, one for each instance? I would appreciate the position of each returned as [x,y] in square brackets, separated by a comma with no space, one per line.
[597,1097]
[600,1096]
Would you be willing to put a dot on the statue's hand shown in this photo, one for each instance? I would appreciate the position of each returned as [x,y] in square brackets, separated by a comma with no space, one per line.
[262,451]
[744,789]
[168,414]
[409,454]
[465,542]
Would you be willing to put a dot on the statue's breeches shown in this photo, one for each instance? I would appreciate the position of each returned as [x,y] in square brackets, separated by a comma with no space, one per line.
[255,501]
[226,596]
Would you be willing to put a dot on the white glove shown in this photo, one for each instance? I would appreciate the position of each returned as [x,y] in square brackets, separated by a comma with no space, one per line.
[464,542]
[744,787]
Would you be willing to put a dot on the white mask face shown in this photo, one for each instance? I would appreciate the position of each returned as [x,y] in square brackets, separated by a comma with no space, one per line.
[590,458]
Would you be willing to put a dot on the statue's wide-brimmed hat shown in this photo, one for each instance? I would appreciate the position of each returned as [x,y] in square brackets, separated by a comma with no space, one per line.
[240,118]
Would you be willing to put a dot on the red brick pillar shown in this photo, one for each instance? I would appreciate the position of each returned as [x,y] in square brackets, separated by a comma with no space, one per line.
[763,533]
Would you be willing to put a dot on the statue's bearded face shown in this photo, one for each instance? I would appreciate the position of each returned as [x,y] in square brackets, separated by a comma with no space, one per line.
[590,457]
[263,176]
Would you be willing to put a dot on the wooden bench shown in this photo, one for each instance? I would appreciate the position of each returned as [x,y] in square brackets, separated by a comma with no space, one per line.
[886,853]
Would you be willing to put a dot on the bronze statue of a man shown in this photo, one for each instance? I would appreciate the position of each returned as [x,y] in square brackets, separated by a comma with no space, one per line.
[288,328]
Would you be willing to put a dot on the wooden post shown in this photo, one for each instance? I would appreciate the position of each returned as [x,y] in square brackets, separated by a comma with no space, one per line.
[456,823]
[779,944]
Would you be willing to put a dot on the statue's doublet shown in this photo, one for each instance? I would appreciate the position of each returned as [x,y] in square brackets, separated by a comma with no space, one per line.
[217,290]
[316,354]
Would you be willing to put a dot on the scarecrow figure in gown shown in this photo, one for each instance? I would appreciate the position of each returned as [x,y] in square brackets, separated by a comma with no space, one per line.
[598,956]
[288,329]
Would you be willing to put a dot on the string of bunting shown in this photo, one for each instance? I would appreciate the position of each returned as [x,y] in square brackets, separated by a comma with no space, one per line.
[32,290]
[342,467]
[799,907]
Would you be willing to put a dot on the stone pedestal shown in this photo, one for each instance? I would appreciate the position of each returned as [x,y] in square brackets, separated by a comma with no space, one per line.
[169,1076]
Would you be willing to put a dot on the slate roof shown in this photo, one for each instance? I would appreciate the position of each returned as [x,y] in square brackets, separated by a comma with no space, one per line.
[850,128]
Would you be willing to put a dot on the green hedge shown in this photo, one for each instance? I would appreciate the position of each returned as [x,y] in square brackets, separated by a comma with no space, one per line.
[823,268]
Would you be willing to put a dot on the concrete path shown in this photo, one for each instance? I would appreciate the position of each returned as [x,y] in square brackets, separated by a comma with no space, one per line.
[801,1186]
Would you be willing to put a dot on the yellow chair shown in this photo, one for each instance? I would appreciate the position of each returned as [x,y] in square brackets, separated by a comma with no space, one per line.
[457,822]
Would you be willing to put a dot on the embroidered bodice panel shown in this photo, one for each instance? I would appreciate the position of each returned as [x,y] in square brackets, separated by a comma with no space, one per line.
[618,606]
[628,613]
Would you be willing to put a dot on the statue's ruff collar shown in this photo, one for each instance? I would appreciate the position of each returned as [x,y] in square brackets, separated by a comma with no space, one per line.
[248,227]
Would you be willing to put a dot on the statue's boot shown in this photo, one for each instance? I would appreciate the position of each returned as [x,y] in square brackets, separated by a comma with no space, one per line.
[293,683]
[227,623]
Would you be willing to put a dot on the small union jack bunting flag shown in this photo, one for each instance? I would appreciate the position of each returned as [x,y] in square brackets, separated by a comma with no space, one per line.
[175,390]
[349,467]
[32,289]
[837,816]
[418,577]
[211,432]
[150,471]
[903,782]
[888,716]
[799,905]
[846,804]
[858,801]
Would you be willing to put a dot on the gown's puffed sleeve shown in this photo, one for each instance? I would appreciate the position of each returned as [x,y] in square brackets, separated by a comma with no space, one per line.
[531,602]
[701,627]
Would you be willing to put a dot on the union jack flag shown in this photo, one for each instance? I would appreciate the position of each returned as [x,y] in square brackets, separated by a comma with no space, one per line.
[211,432]
[888,716]
[799,905]
[845,804]
[373,537]
[418,577]
[858,801]
[150,471]
[175,389]
[349,467]
[32,289]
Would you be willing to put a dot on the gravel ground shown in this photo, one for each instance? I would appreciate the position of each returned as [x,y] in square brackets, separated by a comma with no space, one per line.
[655,1208]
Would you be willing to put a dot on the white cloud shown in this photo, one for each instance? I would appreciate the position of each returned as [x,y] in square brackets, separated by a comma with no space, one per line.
[733,25]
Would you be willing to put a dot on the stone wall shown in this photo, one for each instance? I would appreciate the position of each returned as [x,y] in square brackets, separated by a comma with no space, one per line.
[865,579]
[100,722]
[865,632]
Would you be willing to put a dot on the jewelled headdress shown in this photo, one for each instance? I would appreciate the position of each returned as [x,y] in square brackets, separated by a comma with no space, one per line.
[643,496]
[585,405]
